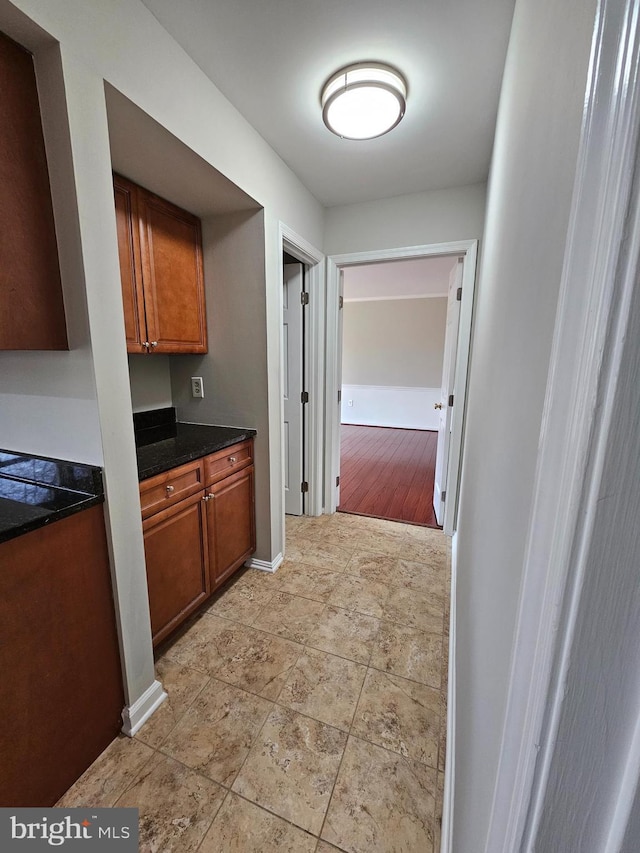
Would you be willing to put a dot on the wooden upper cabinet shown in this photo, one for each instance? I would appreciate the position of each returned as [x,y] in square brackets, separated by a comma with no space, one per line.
[125,194]
[31,303]
[160,247]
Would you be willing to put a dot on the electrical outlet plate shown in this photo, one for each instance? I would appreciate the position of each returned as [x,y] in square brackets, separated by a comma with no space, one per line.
[197,387]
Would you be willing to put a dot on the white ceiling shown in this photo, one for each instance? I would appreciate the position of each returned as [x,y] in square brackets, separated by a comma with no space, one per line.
[406,279]
[271,57]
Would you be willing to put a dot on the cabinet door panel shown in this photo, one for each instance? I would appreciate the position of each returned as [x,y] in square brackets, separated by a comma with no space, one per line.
[231,524]
[171,246]
[61,689]
[175,543]
[125,194]
[31,306]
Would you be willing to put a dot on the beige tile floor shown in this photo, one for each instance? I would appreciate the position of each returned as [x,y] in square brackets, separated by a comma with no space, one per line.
[306,708]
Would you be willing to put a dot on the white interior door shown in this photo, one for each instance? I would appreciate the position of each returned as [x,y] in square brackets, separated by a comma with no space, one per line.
[446,392]
[292,337]
[339,395]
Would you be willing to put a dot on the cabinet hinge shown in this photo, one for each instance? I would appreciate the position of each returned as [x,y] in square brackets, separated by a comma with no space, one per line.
[304,397]
[340,302]
[304,298]
[337,481]
[450,400]
[339,395]
[443,496]
[304,487]
[459,295]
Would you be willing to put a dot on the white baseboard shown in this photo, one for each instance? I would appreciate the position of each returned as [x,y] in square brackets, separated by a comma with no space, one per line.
[265,565]
[446,838]
[387,406]
[136,715]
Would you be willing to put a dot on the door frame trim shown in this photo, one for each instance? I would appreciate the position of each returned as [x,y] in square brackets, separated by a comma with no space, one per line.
[601,259]
[291,242]
[468,250]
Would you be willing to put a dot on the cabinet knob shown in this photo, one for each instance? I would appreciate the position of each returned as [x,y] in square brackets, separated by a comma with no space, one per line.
[145,344]
[437,405]
[207,497]
[170,489]
[233,460]
[153,344]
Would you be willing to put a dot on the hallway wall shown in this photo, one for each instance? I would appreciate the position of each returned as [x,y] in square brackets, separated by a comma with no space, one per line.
[439,216]
[534,159]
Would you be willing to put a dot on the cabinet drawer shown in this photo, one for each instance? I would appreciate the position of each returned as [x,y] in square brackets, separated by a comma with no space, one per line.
[225,462]
[164,490]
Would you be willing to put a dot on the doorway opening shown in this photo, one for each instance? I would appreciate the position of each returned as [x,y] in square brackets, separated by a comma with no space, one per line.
[408,407]
[395,317]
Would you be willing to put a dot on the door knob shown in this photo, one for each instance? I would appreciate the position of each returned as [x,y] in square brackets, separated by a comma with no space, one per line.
[437,405]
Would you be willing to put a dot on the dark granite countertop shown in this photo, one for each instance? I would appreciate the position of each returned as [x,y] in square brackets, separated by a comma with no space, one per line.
[162,443]
[35,491]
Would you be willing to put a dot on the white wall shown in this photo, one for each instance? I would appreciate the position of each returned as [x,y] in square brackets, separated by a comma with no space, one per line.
[527,213]
[398,406]
[418,219]
[150,381]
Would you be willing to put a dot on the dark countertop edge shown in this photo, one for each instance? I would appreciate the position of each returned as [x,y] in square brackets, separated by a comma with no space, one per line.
[80,477]
[203,449]
[87,502]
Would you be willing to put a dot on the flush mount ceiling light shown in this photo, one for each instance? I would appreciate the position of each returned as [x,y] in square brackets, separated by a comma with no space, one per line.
[363,100]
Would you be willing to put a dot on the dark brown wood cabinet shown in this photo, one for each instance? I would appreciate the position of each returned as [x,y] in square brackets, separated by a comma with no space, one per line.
[199,528]
[230,497]
[31,304]
[161,270]
[231,524]
[61,690]
[177,557]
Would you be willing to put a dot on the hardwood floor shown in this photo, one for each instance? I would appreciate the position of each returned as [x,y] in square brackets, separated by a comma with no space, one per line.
[388,473]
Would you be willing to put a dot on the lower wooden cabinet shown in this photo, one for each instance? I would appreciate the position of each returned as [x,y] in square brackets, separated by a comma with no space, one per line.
[231,524]
[176,552]
[61,690]
[194,543]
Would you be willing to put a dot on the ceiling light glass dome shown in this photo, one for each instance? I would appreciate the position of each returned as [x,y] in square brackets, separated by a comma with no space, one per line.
[363,100]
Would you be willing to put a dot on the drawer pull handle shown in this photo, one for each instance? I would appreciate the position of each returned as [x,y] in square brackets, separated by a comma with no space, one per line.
[233,460]
[170,490]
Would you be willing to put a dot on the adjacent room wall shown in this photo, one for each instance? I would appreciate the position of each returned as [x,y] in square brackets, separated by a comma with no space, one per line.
[528,206]
[392,353]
